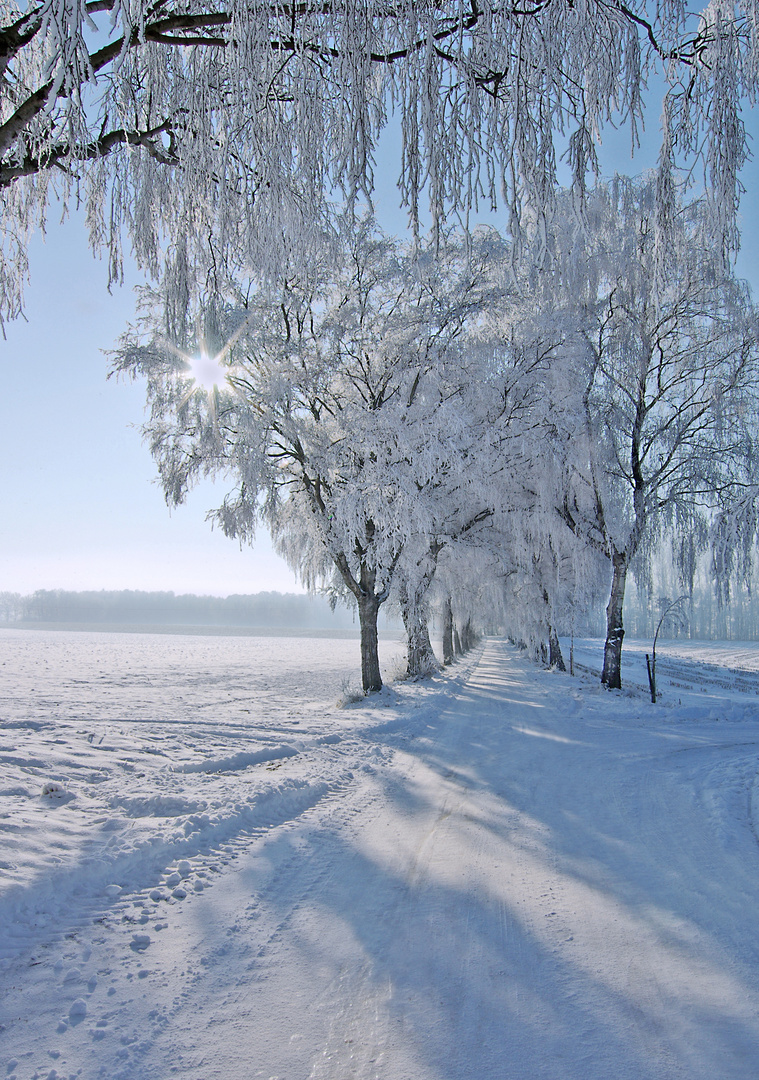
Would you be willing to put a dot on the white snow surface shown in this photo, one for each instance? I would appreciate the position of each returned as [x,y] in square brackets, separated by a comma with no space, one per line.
[210,870]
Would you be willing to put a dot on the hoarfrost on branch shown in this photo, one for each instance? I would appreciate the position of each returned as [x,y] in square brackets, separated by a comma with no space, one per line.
[208,131]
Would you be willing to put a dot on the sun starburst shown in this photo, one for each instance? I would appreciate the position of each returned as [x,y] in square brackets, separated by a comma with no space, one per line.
[205,369]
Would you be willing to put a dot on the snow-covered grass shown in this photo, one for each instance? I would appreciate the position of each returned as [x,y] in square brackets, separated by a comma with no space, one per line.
[215,865]
[709,679]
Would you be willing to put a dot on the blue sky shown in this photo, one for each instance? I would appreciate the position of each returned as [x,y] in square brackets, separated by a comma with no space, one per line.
[80,507]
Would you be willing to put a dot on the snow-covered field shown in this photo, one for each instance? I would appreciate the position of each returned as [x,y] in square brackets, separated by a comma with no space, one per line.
[719,676]
[210,870]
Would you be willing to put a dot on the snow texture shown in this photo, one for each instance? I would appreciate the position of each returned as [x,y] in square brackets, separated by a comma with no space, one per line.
[502,873]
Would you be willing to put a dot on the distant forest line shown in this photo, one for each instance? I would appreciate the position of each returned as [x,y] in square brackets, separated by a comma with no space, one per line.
[129,607]
[706,619]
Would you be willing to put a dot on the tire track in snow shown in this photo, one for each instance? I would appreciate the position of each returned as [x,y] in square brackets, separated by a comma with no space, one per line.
[285,874]
[41,914]
[141,1039]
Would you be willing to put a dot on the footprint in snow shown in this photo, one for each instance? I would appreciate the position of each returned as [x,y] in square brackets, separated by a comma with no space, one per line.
[140,942]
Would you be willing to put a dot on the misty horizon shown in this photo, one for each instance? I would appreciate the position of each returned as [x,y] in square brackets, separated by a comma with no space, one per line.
[134,606]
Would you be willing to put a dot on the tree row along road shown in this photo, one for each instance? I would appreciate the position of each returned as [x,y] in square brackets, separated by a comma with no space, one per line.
[539,879]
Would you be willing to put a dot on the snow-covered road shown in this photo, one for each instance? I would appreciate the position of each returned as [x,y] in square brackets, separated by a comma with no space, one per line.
[507,875]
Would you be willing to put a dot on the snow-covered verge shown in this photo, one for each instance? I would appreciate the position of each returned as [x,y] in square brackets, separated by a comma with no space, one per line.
[208,869]
[717,680]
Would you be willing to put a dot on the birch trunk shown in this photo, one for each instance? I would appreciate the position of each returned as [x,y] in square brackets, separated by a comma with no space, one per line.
[421,657]
[612,671]
[421,660]
[368,609]
[369,602]
[555,659]
[448,632]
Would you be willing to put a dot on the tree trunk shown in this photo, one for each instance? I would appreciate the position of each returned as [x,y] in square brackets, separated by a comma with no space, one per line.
[421,660]
[421,657]
[448,632]
[555,659]
[369,602]
[368,609]
[612,672]
[457,643]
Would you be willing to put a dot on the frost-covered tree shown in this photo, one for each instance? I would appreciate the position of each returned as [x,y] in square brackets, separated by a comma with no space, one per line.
[415,576]
[465,502]
[546,578]
[734,527]
[465,595]
[664,358]
[207,131]
[340,411]
[526,548]
[487,488]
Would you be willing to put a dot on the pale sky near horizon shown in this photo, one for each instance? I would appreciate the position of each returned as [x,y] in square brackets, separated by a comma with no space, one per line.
[80,508]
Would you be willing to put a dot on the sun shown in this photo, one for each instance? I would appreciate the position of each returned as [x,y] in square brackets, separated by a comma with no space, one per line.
[206,371]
